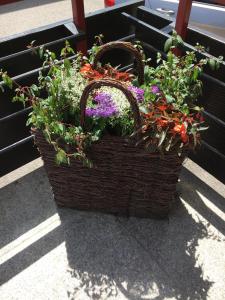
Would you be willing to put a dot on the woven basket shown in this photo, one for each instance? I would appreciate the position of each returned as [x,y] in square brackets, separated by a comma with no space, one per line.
[125,180]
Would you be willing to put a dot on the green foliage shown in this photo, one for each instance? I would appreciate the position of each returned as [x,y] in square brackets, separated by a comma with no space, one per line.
[56,101]
[177,77]
[6,79]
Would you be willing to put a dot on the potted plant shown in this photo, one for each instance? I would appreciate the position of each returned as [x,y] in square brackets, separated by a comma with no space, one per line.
[114,141]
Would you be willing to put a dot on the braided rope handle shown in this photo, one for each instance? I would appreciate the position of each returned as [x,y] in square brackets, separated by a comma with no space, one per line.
[96,84]
[127,47]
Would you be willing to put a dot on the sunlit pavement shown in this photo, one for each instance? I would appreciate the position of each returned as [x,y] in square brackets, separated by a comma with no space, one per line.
[28,14]
[50,253]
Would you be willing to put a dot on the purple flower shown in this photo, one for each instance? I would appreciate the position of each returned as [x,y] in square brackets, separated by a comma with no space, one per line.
[139,93]
[104,106]
[155,89]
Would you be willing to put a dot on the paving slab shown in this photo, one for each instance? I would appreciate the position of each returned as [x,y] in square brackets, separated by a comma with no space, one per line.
[57,253]
[28,14]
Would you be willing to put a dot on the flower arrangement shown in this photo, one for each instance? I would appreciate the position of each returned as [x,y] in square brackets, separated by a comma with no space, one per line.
[170,118]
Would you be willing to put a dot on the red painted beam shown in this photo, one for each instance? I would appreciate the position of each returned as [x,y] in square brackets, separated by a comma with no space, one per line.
[79,21]
[220,2]
[183,15]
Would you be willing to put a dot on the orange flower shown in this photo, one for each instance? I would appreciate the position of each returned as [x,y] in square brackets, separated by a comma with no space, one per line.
[181,129]
[86,68]
[149,115]
[162,107]
[89,73]
[184,137]
[162,123]
[178,128]
[123,76]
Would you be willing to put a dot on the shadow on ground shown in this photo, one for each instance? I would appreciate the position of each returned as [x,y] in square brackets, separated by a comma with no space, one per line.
[140,258]
[110,257]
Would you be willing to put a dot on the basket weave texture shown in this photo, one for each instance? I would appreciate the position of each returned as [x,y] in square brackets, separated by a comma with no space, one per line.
[125,180]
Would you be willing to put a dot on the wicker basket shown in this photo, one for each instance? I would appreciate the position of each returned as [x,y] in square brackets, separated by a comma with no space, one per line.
[125,180]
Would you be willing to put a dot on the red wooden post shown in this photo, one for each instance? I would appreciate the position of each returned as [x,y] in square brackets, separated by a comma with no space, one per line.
[79,21]
[183,15]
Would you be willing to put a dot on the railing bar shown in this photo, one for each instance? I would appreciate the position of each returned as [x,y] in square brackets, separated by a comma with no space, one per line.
[15,114]
[211,148]
[33,72]
[168,28]
[78,36]
[127,38]
[214,80]
[16,144]
[140,23]
[216,119]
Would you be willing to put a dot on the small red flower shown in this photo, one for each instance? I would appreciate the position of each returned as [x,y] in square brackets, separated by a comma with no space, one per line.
[161,122]
[162,107]
[200,117]
[182,131]
[123,76]
[86,68]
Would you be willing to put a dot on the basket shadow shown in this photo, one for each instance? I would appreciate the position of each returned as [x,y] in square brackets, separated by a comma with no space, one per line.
[134,258]
[204,199]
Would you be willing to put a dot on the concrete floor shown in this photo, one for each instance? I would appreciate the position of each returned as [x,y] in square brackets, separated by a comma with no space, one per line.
[50,253]
[27,14]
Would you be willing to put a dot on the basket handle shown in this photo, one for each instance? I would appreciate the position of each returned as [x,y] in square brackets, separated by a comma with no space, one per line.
[96,84]
[125,46]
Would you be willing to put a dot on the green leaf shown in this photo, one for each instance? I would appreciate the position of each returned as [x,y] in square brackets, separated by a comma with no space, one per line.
[162,138]
[41,52]
[53,56]
[203,128]
[2,88]
[169,143]
[195,74]
[61,157]
[61,127]
[135,82]
[29,122]
[34,87]
[194,138]
[185,109]
[212,64]
[197,108]
[67,64]
[179,39]
[144,109]
[217,66]
[7,80]
[47,135]
[168,44]
[169,99]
